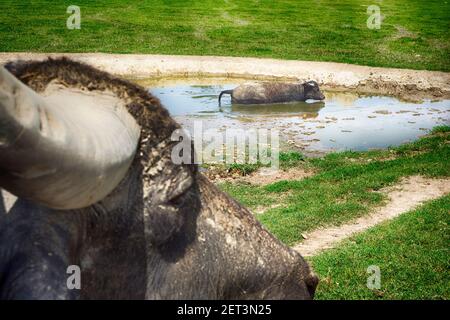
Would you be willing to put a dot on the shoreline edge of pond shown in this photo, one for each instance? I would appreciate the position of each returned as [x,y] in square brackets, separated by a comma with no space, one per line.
[406,84]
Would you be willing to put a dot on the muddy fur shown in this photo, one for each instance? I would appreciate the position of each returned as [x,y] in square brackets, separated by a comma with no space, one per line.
[165,232]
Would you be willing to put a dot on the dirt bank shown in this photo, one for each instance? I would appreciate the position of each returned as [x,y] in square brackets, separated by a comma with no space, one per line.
[262,176]
[407,84]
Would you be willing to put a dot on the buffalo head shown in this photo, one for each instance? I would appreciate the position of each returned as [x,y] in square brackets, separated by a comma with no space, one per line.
[312,91]
[88,156]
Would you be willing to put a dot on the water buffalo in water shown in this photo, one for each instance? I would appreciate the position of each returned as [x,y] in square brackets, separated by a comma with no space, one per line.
[274,92]
[89,157]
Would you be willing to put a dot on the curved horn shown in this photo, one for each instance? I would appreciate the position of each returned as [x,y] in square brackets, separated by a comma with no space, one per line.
[65,151]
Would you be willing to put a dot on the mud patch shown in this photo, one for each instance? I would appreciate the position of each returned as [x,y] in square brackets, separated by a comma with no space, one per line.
[261,176]
[406,91]
[403,197]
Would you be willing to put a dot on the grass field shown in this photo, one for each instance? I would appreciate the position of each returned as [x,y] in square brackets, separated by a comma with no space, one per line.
[343,188]
[412,253]
[414,33]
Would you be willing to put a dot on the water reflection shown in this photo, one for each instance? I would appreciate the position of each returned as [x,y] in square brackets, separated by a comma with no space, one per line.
[299,108]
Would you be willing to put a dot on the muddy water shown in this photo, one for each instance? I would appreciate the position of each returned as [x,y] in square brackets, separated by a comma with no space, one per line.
[344,121]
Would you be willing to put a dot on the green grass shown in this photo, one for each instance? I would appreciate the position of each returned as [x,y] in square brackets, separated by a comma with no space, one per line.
[287,160]
[344,187]
[412,252]
[324,30]
[290,159]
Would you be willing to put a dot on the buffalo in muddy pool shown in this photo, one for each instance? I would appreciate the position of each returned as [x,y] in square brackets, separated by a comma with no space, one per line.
[273,92]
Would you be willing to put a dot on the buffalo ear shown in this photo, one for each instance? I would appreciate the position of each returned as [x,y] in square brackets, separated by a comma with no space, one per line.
[166,214]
